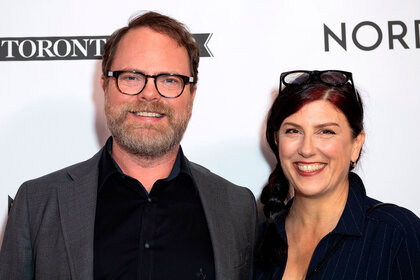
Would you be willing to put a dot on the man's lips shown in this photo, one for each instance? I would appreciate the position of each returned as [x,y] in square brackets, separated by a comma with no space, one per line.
[147,114]
[146,110]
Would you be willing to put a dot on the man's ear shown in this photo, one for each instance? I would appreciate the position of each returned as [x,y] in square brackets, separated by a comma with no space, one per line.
[194,89]
[103,82]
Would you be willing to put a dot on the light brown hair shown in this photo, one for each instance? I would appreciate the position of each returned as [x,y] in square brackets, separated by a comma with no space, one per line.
[159,23]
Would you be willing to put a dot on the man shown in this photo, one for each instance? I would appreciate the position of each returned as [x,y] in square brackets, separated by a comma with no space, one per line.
[138,209]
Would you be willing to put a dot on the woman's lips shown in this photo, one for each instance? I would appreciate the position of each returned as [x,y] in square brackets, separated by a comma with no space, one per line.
[309,169]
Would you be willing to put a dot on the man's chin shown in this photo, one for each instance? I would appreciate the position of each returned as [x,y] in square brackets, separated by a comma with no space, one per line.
[149,143]
[145,127]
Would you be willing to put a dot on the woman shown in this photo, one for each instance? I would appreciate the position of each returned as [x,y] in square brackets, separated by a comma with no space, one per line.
[330,229]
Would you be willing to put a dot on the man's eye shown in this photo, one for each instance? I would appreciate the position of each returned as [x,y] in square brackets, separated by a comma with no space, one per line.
[129,78]
[171,81]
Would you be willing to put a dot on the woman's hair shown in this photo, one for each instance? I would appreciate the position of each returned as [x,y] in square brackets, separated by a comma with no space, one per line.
[272,249]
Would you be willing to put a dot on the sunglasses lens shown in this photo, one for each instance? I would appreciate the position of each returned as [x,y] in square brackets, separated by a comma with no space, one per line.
[296,78]
[333,78]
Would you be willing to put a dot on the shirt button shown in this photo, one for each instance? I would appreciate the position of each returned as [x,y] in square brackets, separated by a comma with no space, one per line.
[149,199]
[147,245]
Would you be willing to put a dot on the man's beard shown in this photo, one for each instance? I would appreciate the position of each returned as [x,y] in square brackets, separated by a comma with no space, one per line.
[148,140]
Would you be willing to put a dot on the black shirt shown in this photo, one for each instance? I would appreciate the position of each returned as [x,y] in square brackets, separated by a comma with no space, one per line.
[160,235]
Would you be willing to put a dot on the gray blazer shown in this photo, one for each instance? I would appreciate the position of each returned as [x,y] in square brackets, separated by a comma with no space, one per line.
[49,233]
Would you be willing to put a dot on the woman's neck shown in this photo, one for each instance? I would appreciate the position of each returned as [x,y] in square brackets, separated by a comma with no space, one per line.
[317,215]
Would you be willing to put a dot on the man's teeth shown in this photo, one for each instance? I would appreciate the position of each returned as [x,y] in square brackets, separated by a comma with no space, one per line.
[148,114]
[310,167]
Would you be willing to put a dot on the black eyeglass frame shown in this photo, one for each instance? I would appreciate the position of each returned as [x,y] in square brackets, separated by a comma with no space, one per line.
[185,79]
[316,76]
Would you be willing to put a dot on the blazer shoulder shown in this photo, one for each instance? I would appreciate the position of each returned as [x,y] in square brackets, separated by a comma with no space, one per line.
[64,175]
[240,199]
[205,173]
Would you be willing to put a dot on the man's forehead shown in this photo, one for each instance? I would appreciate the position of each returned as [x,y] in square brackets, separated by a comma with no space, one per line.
[144,49]
[145,34]
[147,39]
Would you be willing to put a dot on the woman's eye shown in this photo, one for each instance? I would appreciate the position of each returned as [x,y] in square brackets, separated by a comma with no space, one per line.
[327,131]
[291,131]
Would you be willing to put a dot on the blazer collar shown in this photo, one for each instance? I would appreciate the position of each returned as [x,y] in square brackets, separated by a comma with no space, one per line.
[77,206]
[214,199]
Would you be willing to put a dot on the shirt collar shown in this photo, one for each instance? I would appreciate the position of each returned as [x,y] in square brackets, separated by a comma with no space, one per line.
[281,222]
[108,166]
[353,218]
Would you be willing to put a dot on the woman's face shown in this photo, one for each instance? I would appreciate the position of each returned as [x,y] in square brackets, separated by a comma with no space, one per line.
[316,147]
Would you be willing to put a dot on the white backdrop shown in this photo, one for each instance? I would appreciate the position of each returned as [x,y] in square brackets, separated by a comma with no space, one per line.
[51,112]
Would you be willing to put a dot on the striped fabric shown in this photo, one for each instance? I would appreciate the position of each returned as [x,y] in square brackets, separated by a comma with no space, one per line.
[384,244]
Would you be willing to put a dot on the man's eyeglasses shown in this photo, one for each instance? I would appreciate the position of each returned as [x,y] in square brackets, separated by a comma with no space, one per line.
[335,78]
[133,83]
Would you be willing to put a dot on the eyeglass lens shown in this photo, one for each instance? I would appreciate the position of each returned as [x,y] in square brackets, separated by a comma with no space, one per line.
[328,77]
[167,85]
[296,78]
[333,78]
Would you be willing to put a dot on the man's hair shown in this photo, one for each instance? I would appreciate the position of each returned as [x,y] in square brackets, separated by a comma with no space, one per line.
[159,23]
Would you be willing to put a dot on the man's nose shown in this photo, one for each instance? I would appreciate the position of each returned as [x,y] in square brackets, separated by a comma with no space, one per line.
[149,92]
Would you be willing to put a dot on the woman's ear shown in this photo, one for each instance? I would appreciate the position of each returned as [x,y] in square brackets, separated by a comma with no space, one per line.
[276,138]
[357,146]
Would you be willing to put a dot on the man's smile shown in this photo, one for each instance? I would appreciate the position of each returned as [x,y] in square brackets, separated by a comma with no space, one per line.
[147,114]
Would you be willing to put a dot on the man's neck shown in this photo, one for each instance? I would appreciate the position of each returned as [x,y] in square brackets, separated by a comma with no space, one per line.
[145,169]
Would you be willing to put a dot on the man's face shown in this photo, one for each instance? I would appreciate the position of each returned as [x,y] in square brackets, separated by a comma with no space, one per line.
[148,124]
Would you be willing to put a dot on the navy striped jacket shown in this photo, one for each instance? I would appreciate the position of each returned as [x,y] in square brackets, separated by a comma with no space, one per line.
[384,244]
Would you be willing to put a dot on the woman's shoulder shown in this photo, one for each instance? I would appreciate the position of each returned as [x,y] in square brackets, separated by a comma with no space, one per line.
[392,215]
[403,230]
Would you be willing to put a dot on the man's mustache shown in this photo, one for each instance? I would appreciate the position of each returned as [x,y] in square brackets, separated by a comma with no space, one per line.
[155,107]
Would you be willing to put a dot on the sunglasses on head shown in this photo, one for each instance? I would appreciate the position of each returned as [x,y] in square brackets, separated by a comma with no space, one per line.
[335,78]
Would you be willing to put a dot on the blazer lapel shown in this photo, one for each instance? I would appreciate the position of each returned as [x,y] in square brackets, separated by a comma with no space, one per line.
[77,205]
[216,206]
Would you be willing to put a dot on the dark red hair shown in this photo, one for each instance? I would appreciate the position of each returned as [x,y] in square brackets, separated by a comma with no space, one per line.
[272,249]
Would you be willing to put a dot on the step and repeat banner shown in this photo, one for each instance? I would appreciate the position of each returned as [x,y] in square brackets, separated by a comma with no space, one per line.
[51,109]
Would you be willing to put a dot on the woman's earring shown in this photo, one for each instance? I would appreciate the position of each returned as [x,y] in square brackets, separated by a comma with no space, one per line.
[352,164]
